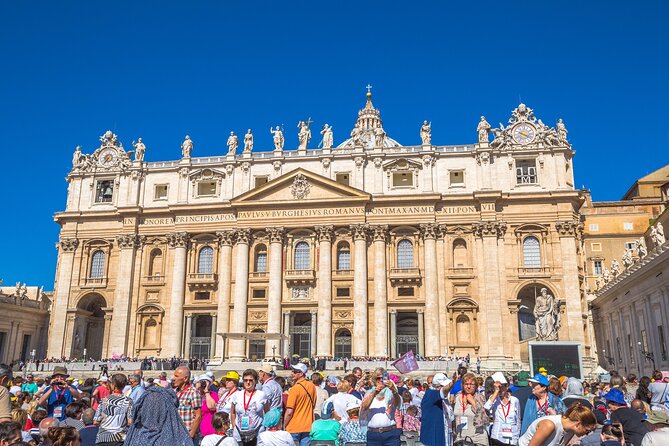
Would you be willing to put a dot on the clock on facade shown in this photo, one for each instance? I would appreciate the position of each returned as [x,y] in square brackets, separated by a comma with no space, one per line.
[107,157]
[524,134]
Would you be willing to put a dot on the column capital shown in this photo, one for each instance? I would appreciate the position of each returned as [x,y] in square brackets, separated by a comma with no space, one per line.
[178,239]
[379,233]
[569,228]
[129,241]
[68,244]
[243,235]
[313,312]
[489,228]
[226,237]
[420,310]
[392,310]
[325,233]
[359,231]
[429,231]
[276,234]
[286,312]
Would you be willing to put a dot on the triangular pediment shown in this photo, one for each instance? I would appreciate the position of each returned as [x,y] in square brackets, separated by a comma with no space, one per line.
[300,185]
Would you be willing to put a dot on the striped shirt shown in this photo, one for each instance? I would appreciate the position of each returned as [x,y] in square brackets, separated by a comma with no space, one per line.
[113,414]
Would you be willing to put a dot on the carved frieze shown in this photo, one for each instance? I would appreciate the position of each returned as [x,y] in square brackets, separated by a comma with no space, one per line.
[489,229]
[178,239]
[342,314]
[68,244]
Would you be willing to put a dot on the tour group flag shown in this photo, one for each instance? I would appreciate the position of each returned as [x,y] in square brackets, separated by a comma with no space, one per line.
[407,363]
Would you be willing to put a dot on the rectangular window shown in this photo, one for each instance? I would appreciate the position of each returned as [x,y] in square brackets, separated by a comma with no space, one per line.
[206,188]
[343,178]
[403,179]
[457,178]
[526,172]
[202,295]
[627,226]
[660,335]
[259,293]
[597,267]
[104,191]
[261,180]
[343,292]
[160,192]
[596,246]
[630,245]
[405,291]
[594,227]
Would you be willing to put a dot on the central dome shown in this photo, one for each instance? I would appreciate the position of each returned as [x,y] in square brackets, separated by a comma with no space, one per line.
[369,124]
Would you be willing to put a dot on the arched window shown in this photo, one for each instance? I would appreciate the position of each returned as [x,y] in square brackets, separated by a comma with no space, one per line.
[205,261]
[260,262]
[405,254]
[343,256]
[257,347]
[302,256]
[462,330]
[343,343]
[531,253]
[156,263]
[459,253]
[97,265]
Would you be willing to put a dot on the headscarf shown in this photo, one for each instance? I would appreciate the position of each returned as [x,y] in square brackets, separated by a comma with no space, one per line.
[156,422]
[574,389]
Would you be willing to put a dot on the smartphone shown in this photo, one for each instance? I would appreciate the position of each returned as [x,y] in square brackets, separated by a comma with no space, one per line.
[385,376]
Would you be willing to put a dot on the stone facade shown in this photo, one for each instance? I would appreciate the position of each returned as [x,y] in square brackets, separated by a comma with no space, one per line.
[26,330]
[369,248]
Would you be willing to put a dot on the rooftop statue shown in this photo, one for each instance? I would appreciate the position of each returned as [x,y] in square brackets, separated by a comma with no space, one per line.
[328,138]
[233,143]
[599,282]
[356,136]
[140,149]
[278,138]
[615,268]
[483,129]
[76,157]
[304,135]
[561,131]
[379,137]
[426,133]
[627,258]
[186,147]
[641,247]
[657,235]
[248,142]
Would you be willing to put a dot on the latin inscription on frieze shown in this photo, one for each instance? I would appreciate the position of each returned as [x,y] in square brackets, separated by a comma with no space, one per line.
[210,218]
[289,213]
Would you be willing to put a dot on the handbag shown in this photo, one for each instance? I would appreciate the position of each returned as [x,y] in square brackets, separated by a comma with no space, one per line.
[247,436]
[467,441]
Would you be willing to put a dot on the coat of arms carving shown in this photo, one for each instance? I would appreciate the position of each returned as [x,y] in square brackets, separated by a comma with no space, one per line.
[300,187]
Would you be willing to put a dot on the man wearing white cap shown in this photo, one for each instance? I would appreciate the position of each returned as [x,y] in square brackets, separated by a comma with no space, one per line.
[270,387]
[300,406]
[507,419]
[437,415]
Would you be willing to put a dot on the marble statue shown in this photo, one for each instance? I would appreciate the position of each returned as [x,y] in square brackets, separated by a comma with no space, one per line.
[233,143]
[248,142]
[17,293]
[641,247]
[278,138]
[186,147]
[426,133]
[140,149]
[304,135]
[356,136]
[599,282]
[328,139]
[606,274]
[627,258]
[561,131]
[379,137]
[547,316]
[483,129]
[615,268]
[76,157]
[657,235]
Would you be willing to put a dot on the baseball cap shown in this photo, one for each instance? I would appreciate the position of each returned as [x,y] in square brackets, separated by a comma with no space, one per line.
[327,411]
[353,404]
[231,375]
[542,370]
[499,377]
[539,379]
[103,379]
[521,379]
[440,379]
[203,377]
[267,368]
[299,367]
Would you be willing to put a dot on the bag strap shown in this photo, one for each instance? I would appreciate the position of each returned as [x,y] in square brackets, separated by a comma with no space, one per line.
[220,440]
[313,405]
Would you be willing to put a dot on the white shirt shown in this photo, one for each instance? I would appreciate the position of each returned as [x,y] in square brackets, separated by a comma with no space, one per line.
[273,391]
[275,438]
[379,414]
[557,438]
[255,410]
[340,401]
[659,437]
[211,440]
[505,417]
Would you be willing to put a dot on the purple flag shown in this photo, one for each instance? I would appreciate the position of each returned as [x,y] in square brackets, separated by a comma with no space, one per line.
[407,363]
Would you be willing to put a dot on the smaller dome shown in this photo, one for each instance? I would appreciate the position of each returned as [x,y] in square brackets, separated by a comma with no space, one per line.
[370,125]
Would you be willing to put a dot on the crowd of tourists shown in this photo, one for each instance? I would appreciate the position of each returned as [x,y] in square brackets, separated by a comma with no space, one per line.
[374,407]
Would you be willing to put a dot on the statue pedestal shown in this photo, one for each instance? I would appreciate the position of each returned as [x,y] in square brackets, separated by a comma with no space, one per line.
[230,157]
[427,148]
[278,153]
[327,151]
[301,152]
[246,155]
[482,145]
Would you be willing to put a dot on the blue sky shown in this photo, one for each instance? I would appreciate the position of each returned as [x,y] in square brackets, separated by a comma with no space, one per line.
[161,70]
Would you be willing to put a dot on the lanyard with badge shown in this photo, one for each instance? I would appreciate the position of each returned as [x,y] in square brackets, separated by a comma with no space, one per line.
[246,420]
[542,409]
[58,409]
[506,428]
[463,421]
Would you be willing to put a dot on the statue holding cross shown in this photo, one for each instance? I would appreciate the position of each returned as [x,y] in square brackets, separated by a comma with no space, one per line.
[304,135]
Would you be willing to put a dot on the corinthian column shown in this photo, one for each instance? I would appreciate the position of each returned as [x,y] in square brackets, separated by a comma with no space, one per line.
[179,242]
[429,233]
[238,347]
[275,287]
[360,290]
[225,241]
[324,344]
[122,294]
[66,249]
[379,237]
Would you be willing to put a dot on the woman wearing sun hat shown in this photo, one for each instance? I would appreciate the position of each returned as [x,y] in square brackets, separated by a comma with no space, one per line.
[541,403]
[229,385]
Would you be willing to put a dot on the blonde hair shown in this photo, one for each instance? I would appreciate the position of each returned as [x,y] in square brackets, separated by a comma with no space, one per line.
[20,416]
[344,386]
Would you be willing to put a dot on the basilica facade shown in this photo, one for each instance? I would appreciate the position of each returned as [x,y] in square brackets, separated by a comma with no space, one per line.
[367,248]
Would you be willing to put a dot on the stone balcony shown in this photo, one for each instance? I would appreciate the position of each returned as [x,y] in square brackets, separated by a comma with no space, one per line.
[460,273]
[94,282]
[258,276]
[342,274]
[155,280]
[202,280]
[534,272]
[402,276]
[300,276]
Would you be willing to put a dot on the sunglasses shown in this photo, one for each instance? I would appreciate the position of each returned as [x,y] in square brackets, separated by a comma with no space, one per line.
[249,380]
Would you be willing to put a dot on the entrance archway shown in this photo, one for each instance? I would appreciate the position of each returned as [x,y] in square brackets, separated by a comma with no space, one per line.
[257,347]
[407,333]
[300,335]
[343,342]
[200,345]
[89,327]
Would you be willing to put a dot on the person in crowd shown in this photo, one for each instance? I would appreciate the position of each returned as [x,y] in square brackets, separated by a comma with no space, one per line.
[435,426]
[658,424]
[643,391]
[471,419]
[631,420]
[87,387]
[10,433]
[29,386]
[558,430]
[20,416]
[73,412]
[300,405]
[64,436]
[379,406]
[555,387]
[203,385]
[89,433]
[36,418]
[163,381]
[352,381]
[612,435]
[270,388]
[341,399]
[59,394]
[136,387]
[541,403]
[351,429]
[411,422]
[44,426]
[190,401]
[220,423]
[230,386]
[114,414]
[156,420]
[326,428]
[321,393]
[101,392]
[247,410]
[640,407]
[618,382]
[331,385]
[521,389]
[658,392]
[632,384]
[505,410]
[272,435]
[457,385]
[574,393]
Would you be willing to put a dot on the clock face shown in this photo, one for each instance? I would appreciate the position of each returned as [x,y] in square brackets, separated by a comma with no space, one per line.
[107,157]
[524,134]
